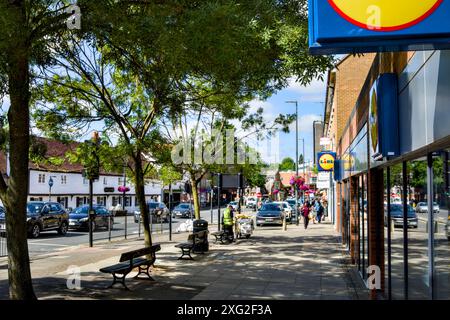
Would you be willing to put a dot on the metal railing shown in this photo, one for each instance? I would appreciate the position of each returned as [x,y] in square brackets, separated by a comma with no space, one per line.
[3,248]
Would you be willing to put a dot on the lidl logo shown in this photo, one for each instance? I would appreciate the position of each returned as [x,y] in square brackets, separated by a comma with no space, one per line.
[385,15]
[326,161]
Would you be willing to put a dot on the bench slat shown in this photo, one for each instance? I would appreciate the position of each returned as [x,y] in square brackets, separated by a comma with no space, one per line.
[126,256]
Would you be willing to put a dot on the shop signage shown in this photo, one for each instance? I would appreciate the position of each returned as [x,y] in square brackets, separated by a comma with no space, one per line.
[338,170]
[349,26]
[326,161]
[325,141]
[383,117]
[323,180]
[108,189]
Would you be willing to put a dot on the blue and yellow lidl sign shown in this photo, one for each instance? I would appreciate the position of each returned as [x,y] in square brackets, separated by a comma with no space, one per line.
[347,26]
[325,161]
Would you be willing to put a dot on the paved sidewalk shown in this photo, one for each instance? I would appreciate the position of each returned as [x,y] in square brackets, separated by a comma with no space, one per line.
[272,264]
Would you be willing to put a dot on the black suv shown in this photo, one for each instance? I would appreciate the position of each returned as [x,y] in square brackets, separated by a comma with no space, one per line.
[46,216]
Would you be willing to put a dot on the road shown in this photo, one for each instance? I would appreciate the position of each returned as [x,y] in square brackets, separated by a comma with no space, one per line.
[51,242]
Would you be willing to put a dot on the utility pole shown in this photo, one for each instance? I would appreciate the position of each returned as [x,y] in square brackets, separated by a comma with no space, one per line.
[123,197]
[92,172]
[219,191]
[296,161]
[170,211]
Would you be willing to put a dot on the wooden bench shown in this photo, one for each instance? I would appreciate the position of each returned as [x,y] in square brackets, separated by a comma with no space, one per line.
[220,236]
[129,261]
[194,240]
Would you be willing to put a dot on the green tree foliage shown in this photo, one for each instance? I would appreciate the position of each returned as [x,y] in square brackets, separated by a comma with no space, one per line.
[287,164]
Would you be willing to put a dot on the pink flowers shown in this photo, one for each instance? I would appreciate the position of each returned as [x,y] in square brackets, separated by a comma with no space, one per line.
[298,182]
[276,191]
[123,189]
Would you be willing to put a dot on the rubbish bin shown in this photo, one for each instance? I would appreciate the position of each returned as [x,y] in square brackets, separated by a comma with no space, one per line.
[201,225]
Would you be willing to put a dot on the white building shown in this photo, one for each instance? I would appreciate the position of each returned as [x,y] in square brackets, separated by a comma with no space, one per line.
[71,189]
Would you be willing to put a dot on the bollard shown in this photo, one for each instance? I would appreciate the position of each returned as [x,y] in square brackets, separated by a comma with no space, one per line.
[109,228]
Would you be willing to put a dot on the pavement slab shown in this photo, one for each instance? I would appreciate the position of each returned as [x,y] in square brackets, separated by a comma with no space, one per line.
[272,265]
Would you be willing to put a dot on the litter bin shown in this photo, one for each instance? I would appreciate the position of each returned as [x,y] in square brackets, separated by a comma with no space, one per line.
[197,226]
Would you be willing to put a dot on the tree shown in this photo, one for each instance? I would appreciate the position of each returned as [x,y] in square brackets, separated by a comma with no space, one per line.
[301,160]
[287,164]
[28,30]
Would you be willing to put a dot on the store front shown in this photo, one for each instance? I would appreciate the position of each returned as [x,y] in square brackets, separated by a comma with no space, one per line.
[394,210]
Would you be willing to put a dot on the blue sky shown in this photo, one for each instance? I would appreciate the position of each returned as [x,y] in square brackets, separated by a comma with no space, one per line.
[311,107]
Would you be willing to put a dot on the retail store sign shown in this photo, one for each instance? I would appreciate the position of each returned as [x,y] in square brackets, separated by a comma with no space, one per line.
[326,161]
[383,117]
[325,141]
[323,180]
[348,26]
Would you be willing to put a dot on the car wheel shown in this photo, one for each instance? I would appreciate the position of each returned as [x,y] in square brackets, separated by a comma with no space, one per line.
[63,229]
[35,231]
[247,236]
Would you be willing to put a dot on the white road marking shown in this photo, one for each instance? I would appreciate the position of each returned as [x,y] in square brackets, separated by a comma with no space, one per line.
[48,244]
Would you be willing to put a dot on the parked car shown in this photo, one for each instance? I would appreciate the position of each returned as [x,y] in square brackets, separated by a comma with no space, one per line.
[44,216]
[422,207]
[2,221]
[287,209]
[234,204]
[397,216]
[251,202]
[270,213]
[183,210]
[447,228]
[79,218]
[158,211]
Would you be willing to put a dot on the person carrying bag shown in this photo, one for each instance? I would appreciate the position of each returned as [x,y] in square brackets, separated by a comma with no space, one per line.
[306,211]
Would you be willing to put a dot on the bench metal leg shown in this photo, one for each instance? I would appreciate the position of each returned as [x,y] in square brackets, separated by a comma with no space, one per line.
[144,270]
[119,279]
[185,252]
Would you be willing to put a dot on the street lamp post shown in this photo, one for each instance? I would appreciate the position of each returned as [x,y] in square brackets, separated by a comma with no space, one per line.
[123,197]
[296,157]
[50,185]
[219,186]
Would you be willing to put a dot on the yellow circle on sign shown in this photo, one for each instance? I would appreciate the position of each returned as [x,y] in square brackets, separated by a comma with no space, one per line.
[385,15]
[326,162]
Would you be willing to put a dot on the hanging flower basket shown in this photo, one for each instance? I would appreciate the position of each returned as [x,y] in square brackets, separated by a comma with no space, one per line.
[123,189]
[276,191]
[296,181]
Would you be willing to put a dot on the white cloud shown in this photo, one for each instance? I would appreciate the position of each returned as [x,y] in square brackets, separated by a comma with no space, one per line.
[314,92]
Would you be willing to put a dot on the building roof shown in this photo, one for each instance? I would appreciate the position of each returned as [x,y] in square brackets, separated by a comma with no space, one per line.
[58,149]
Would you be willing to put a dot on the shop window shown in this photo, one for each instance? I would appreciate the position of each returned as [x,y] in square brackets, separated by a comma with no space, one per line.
[101,201]
[418,223]
[392,214]
[441,188]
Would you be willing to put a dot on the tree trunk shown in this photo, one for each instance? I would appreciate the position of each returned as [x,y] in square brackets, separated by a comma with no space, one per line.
[195,198]
[15,196]
[140,194]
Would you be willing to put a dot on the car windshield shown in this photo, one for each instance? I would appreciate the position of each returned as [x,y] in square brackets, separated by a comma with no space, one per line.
[153,205]
[233,203]
[397,210]
[270,207]
[81,210]
[183,206]
[34,207]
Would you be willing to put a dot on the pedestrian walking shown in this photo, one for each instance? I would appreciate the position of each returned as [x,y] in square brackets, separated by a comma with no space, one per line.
[320,211]
[306,213]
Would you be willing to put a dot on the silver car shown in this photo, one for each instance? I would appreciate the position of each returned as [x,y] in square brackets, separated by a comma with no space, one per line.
[158,211]
[422,207]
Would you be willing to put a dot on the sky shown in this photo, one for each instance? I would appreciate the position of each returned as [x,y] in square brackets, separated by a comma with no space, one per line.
[311,101]
[310,106]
